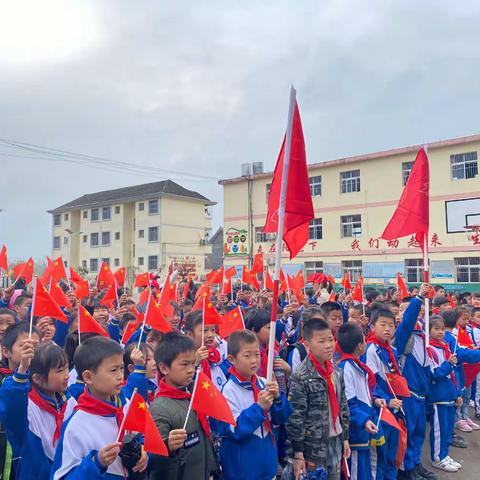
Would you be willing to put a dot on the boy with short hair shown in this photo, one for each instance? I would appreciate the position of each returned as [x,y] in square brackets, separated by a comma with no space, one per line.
[333,314]
[318,428]
[88,446]
[191,454]
[7,318]
[357,316]
[21,307]
[359,387]
[248,450]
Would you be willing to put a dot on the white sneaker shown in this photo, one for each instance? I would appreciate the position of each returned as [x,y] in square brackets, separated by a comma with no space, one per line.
[453,462]
[445,465]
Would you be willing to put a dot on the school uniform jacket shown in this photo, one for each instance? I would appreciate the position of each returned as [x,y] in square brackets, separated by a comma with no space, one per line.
[30,430]
[360,406]
[442,390]
[249,450]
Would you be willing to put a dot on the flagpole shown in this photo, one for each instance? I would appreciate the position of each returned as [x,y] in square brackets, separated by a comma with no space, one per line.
[125,413]
[78,325]
[144,317]
[426,280]
[203,322]
[279,239]
[32,306]
[197,374]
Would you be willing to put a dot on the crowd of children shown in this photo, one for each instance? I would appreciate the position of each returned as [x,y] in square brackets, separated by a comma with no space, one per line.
[354,385]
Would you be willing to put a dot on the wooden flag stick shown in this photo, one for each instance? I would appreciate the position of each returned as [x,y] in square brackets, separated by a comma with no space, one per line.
[32,307]
[197,374]
[279,239]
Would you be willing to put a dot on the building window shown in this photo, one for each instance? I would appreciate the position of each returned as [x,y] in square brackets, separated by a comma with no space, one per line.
[93,265]
[116,262]
[354,267]
[106,260]
[57,220]
[351,226]
[56,242]
[153,234]
[105,238]
[313,267]
[141,234]
[85,215]
[65,217]
[140,261]
[152,207]
[85,238]
[94,215]
[65,240]
[94,239]
[468,269]
[406,169]
[315,185]
[262,237]
[350,181]
[117,235]
[153,262]
[464,165]
[141,207]
[315,231]
[84,265]
[414,270]
[267,191]
[117,210]
[106,213]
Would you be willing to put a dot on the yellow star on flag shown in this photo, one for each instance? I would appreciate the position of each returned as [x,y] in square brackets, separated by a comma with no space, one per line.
[205,385]
[141,405]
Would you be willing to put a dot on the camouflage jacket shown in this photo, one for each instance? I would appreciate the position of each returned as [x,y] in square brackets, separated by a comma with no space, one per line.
[308,425]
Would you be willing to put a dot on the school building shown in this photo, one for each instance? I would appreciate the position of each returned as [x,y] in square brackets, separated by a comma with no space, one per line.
[144,228]
[354,198]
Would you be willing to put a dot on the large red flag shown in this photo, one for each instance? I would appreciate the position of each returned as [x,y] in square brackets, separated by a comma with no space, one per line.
[139,419]
[298,203]
[43,305]
[232,321]
[3,259]
[208,400]
[87,324]
[401,286]
[412,213]
[155,317]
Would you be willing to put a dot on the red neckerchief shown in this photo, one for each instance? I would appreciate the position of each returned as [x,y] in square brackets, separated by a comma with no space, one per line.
[337,348]
[166,390]
[253,381]
[88,403]
[41,403]
[373,339]
[446,353]
[6,371]
[372,382]
[213,357]
[327,374]
[262,371]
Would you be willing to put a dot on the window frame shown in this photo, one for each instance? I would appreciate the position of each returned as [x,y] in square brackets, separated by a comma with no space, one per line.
[149,258]
[57,219]
[355,267]
[94,235]
[56,242]
[315,183]
[106,244]
[406,169]
[471,267]
[151,230]
[141,233]
[413,270]
[140,261]
[117,210]
[141,206]
[315,229]
[309,269]
[117,236]
[350,183]
[154,211]
[344,224]
[469,165]
[106,218]
[96,217]
[93,269]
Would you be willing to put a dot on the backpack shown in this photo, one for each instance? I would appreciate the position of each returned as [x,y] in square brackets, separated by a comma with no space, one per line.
[287,350]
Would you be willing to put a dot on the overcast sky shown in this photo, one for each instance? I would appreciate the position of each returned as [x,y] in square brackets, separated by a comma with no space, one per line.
[202,86]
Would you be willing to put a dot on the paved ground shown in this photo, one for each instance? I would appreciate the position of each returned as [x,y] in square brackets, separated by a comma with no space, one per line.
[468,457]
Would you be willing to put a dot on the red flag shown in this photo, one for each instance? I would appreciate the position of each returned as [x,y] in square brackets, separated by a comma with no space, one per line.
[141,280]
[215,276]
[387,416]
[401,286]
[470,370]
[346,281]
[87,324]
[298,202]
[59,296]
[47,274]
[451,301]
[298,281]
[110,295]
[208,400]
[82,290]
[268,281]
[210,314]
[105,276]
[186,288]
[155,317]
[120,275]
[3,259]
[144,296]
[257,266]
[398,384]
[139,419]
[165,298]
[464,339]
[58,269]
[412,213]
[230,272]
[24,270]
[43,305]
[331,279]
[203,291]
[227,288]
[357,293]
[253,281]
[131,328]
[75,277]
[231,322]
[332,298]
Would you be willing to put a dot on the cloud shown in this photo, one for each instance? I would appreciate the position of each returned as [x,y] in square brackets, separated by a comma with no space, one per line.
[202,87]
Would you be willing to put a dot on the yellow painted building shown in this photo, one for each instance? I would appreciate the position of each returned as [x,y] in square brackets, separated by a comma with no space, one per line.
[354,199]
[144,228]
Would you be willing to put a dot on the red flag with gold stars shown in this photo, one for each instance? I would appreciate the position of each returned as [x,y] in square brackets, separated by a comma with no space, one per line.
[24,270]
[232,321]
[105,276]
[208,400]
[155,317]
[43,305]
